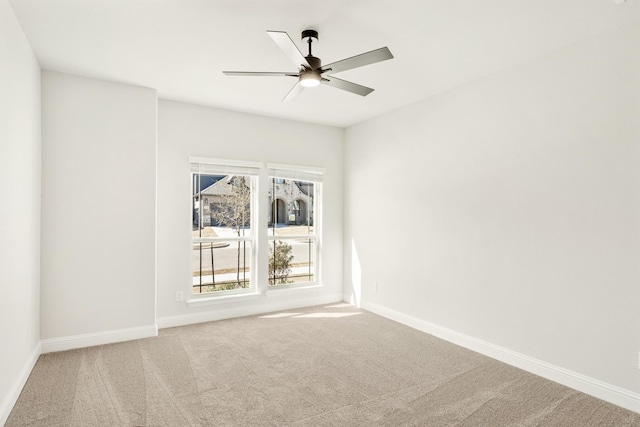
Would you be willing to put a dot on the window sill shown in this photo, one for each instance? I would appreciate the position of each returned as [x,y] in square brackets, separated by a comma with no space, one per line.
[222,299]
[290,289]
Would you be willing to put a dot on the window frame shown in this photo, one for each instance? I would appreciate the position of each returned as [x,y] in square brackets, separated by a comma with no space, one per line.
[250,171]
[260,174]
[314,256]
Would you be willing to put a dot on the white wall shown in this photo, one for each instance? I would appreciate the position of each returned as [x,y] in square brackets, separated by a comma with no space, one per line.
[508,210]
[19,208]
[187,130]
[98,209]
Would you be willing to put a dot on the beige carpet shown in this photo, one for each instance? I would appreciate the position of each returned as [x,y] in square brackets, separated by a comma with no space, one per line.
[321,366]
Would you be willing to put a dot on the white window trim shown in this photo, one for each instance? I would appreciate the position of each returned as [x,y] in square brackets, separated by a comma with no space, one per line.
[223,162]
[211,299]
[292,289]
[298,173]
[296,168]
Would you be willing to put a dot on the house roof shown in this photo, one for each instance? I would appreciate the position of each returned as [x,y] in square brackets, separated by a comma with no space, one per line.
[220,187]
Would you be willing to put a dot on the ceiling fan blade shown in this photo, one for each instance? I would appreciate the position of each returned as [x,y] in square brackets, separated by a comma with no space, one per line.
[294,92]
[287,45]
[260,73]
[345,85]
[361,60]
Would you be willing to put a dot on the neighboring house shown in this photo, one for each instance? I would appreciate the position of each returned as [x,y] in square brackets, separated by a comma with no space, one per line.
[292,203]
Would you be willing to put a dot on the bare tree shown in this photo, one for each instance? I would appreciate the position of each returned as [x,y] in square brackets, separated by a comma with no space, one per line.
[234,211]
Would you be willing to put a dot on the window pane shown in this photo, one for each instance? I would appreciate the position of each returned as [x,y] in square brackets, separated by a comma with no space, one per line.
[291,261]
[221,265]
[221,208]
[291,207]
[221,201]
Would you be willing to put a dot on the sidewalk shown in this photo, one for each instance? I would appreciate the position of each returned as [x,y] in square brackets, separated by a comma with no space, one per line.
[230,277]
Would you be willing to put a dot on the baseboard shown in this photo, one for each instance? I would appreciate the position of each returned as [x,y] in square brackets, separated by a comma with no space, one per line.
[266,306]
[607,392]
[12,397]
[98,338]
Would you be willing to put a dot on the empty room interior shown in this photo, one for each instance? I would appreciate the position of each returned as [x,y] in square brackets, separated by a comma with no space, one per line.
[201,225]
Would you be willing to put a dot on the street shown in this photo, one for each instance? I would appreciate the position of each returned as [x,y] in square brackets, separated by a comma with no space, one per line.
[225,258]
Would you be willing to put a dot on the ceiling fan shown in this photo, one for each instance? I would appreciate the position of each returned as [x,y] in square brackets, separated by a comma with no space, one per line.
[310,70]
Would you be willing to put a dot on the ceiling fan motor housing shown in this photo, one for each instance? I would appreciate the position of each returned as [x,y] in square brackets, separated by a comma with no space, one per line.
[314,62]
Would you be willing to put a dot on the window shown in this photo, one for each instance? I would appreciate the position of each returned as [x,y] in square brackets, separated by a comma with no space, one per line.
[226,223]
[223,239]
[292,235]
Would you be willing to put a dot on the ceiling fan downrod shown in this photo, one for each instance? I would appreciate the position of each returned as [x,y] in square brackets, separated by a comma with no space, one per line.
[309,36]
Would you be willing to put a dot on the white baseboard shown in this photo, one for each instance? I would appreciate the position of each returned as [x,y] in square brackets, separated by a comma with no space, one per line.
[98,338]
[264,307]
[607,392]
[12,397]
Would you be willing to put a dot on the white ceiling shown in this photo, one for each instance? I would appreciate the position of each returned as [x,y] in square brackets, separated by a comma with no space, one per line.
[180,47]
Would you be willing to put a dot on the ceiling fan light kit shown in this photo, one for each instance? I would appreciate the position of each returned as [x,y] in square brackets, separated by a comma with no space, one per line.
[310,72]
[310,79]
